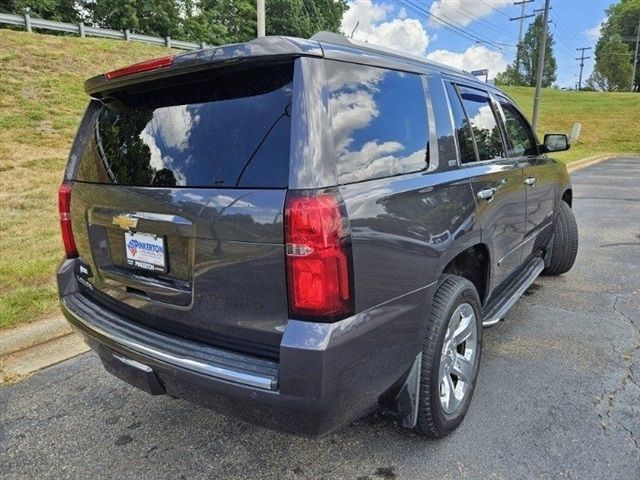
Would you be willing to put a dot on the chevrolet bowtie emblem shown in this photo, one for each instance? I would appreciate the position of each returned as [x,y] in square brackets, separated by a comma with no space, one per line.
[125,222]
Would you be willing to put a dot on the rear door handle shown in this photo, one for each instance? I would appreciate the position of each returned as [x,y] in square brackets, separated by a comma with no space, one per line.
[486,194]
[531,181]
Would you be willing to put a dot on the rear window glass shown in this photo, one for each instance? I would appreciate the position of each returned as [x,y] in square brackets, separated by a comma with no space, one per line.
[229,129]
[379,121]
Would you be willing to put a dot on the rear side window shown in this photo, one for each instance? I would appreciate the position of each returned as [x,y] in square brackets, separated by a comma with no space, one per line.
[227,129]
[462,127]
[482,120]
[518,130]
[379,121]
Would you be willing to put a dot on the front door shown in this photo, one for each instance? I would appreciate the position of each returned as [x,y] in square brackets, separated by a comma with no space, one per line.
[539,176]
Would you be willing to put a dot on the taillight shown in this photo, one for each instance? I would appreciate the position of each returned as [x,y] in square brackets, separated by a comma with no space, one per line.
[64,209]
[141,67]
[318,254]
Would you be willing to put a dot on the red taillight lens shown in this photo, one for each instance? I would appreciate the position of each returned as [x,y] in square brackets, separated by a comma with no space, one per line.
[318,256]
[64,209]
[141,67]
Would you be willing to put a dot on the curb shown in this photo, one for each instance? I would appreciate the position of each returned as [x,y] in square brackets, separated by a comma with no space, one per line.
[587,162]
[32,334]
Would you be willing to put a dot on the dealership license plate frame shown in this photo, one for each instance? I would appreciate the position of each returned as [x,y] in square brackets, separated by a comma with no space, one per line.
[148,261]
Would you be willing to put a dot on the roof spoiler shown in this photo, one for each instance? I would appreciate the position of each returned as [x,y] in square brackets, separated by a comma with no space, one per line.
[271,48]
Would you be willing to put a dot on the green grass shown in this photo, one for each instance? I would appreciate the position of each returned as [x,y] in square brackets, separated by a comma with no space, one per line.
[610,121]
[41,102]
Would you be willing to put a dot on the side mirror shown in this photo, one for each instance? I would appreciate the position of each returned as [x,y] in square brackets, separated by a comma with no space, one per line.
[555,142]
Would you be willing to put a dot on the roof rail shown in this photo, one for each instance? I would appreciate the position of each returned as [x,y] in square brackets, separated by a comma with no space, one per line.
[337,39]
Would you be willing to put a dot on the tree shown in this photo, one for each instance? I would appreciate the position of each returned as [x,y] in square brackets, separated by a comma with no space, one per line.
[613,69]
[303,18]
[622,21]
[60,10]
[524,73]
[597,81]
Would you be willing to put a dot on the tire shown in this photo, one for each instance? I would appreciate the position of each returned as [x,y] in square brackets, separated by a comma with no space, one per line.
[564,244]
[437,416]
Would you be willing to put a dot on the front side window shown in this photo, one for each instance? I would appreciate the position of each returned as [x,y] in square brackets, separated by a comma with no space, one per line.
[518,130]
[379,121]
[482,120]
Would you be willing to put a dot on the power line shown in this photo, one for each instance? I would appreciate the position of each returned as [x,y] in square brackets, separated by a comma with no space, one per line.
[470,16]
[449,25]
[494,9]
[522,16]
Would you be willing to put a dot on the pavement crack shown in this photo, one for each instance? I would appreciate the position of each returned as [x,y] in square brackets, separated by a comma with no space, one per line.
[605,404]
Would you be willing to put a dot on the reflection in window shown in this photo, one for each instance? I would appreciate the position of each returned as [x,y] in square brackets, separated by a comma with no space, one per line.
[483,123]
[518,130]
[379,121]
[461,125]
[236,134]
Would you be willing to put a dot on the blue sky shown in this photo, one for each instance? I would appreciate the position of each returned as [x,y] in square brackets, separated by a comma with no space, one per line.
[406,25]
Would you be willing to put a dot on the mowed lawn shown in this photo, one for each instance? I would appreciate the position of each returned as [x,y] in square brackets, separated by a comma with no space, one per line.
[610,121]
[41,102]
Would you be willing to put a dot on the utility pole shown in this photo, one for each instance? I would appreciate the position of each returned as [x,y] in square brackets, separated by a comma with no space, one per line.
[635,58]
[260,10]
[543,46]
[582,59]
[522,16]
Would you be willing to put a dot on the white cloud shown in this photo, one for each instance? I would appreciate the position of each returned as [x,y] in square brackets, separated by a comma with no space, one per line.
[594,32]
[473,58]
[376,26]
[464,12]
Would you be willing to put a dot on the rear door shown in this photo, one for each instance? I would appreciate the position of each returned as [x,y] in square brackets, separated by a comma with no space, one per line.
[539,176]
[177,204]
[495,178]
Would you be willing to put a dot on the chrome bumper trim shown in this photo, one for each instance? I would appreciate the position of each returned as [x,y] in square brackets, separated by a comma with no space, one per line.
[186,363]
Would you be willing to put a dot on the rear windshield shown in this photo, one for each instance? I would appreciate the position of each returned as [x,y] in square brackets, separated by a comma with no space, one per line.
[225,129]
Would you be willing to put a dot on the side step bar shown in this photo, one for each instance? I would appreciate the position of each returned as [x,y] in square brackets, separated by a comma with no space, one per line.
[500,305]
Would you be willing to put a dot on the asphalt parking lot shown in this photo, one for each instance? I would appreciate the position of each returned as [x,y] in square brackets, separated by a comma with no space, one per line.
[558,395]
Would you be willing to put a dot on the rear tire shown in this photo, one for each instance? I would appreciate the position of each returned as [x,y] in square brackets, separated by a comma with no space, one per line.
[564,244]
[444,398]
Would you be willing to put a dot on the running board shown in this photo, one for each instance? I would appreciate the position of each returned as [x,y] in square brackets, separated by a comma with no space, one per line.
[499,306]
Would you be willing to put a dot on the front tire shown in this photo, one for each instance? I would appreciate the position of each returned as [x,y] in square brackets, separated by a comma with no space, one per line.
[564,246]
[450,357]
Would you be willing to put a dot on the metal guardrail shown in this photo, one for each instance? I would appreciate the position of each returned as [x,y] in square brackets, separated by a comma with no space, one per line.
[29,23]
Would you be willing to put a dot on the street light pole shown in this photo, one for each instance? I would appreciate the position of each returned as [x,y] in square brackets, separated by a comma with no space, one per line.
[543,46]
[260,10]
[635,58]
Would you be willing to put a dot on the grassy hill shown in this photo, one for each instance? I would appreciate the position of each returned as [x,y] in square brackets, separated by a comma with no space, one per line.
[41,101]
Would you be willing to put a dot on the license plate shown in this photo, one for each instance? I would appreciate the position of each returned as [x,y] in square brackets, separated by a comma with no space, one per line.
[145,251]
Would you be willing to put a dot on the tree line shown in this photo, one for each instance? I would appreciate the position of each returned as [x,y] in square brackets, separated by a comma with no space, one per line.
[616,48]
[214,22]
[614,53]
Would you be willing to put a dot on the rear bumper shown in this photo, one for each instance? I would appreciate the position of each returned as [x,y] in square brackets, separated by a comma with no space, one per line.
[328,374]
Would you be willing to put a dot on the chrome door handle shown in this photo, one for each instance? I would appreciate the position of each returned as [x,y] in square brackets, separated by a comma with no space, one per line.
[486,194]
[531,181]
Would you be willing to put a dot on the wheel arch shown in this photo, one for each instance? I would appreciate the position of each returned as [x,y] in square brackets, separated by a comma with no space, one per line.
[474,264]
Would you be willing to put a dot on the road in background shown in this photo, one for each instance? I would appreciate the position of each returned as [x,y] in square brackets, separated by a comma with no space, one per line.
[558,393]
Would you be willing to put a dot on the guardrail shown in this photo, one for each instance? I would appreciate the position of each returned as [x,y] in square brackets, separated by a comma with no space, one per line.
[29,23]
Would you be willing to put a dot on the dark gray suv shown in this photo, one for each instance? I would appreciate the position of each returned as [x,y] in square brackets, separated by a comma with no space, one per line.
[299,232]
